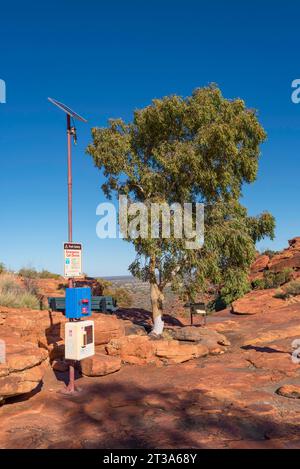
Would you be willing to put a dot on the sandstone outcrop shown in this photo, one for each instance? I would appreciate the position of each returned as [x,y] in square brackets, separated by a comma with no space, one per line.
[100,365]
[23,369]
[291,391]
[257,301]
[141,350]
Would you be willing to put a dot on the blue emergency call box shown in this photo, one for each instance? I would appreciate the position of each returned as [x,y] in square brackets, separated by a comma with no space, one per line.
[78,303]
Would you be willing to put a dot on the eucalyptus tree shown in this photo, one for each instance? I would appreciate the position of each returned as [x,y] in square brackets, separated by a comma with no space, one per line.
[198,149]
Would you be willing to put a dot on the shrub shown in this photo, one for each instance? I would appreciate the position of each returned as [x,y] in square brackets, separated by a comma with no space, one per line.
[28,273]
[272,279]
[2,268]
[293,288]
[123,296]
[15,295]
[258,284]
[31,286]
[270,253]
[46,274]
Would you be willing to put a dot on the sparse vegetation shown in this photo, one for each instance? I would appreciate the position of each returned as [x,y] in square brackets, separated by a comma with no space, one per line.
[123,296]
[270,253]
[2,268]
[290,290]
[27,272]
[272,279]
[13,294]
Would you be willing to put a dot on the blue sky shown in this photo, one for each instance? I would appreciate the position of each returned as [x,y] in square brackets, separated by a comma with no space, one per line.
[107,58]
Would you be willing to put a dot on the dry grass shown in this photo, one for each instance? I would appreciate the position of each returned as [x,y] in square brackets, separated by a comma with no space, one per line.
[15,295]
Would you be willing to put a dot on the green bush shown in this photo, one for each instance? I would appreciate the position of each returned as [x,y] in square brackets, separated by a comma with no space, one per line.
[15,295]
[270,253]
[258,284]
[272,279]
[291,289]
[123,296]
[2,268]
[27,272]
[46,274]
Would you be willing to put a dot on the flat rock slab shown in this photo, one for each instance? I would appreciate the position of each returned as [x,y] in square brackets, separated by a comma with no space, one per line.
[257,301]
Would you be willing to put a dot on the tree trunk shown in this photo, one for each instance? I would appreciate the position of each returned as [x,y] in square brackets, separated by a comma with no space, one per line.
[157,298]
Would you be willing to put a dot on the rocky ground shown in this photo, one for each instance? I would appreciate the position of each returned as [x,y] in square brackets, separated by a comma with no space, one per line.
[232,384]
[246,395]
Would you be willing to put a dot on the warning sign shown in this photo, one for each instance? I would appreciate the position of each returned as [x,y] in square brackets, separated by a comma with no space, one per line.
[73,260]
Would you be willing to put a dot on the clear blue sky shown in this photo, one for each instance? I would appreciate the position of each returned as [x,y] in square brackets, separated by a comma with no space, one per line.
[106,58]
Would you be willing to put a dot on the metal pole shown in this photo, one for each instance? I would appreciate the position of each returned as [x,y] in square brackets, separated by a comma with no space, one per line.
[70,227]
[71,385]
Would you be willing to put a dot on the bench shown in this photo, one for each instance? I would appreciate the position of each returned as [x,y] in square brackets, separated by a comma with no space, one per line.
[104,304]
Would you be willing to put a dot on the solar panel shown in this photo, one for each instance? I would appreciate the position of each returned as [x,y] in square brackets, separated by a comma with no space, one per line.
[66,109]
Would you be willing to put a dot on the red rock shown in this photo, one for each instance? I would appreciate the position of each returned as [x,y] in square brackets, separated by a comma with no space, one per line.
[260,263]
[141,350]
[198,334]
[285,261]
[23,382]
[100,365]
[107,328]
[23,369]
[289,390]
[136,350]
[257,301]
[295,242]
[173,351]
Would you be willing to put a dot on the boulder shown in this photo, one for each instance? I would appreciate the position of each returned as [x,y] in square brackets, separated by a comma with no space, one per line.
[100,365]
[141,350]
[285,260]
[257,301]
[198,334]
[107,328]
[136,350]
[133,329]
[173,351]
[15,384]
[289,390]
[23,369]
[260,263]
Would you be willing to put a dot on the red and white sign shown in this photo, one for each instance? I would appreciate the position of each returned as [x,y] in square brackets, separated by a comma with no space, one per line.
[73,260]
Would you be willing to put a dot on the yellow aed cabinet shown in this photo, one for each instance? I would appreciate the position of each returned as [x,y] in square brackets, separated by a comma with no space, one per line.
[79,340]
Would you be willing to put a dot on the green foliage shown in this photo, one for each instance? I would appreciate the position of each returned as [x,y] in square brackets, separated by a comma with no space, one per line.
[2,268]
[46,274]
[28,272]
[258,284]
[273,279]
[15,295]
[202,148]
[123,296]
[293,288]
[269,253]
[32,273]
[289,290]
